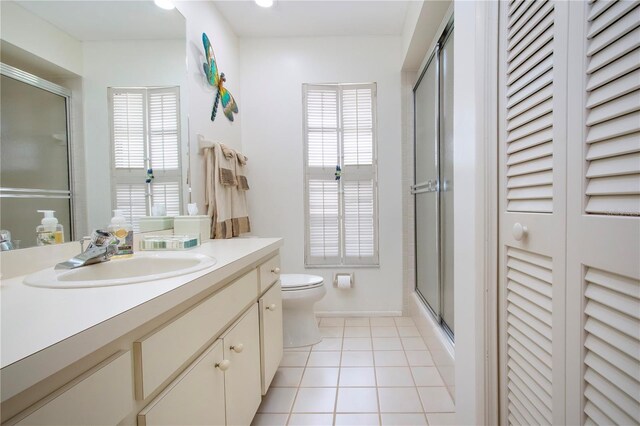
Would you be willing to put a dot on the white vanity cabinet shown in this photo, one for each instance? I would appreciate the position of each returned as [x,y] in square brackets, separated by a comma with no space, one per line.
[270,306]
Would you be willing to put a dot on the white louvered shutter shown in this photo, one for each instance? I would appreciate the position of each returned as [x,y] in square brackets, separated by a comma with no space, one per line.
[532,149]
[145,132]
[341,215]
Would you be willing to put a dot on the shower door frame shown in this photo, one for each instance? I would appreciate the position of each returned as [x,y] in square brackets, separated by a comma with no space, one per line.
[417,188]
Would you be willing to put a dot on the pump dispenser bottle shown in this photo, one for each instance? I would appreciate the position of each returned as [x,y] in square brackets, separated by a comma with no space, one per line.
[50,231]
[124,232]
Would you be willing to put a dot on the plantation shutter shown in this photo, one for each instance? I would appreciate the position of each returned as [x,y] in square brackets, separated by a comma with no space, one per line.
[145,125]
[341,214]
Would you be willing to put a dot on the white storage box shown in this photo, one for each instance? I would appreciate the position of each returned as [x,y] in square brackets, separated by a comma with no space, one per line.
[193,225]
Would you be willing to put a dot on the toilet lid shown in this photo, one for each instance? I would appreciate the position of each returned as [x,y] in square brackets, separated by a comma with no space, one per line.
[299,281]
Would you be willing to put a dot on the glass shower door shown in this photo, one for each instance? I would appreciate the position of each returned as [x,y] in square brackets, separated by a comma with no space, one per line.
[425,188]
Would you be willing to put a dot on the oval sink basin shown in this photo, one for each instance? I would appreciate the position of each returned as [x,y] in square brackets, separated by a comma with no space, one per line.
[142,267]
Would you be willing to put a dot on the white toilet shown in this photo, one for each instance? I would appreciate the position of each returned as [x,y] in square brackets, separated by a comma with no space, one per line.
[299,293]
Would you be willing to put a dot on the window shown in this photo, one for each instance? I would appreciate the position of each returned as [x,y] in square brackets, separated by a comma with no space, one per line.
[340,175]
[145,134]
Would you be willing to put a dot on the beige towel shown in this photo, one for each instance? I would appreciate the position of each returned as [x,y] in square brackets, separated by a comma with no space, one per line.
[218,196]
[227,167]
[239,208]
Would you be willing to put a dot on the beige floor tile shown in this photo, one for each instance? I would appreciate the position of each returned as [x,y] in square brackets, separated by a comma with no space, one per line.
[382,321]
[294,359]
[357,400]
[324,359]
[331,322]
[436,400]
[278,400]
[404,321]
[403,419]
[329,344]
[364,419]
[356,322]
[331,331]
[357,377]
[315,400]
[413,344]
[357,332]
[411,331]
[320,377]
[419,358]
[427,376]
[399,400]
[387,344]
[394,377]
[390,359]
[357,359]
[270,420]
[298,349]
[384,331]
[442,419]
[298,419]
[356,344]
[287,377]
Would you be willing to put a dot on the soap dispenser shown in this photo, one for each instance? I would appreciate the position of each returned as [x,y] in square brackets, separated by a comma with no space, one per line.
[50,231]
[123,232]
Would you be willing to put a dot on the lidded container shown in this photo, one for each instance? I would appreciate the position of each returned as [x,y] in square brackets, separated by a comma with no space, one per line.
[123,231]
[49,232]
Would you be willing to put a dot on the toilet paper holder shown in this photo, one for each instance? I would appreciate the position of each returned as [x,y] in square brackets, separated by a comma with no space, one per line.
[341,277]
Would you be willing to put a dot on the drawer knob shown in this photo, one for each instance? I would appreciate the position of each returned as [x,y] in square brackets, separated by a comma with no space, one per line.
[237,348]
[271,307]
[223,365]
[276,270]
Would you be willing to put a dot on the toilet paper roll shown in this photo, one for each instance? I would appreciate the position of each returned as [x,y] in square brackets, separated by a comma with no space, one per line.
[344,281]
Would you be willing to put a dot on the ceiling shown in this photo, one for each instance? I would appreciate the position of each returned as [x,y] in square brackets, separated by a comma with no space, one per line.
[296,18]
[110,20]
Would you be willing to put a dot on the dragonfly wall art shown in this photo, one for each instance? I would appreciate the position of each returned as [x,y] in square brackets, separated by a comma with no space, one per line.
[229,105]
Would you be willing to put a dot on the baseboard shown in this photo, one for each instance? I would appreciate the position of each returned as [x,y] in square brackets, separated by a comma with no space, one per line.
[359,313]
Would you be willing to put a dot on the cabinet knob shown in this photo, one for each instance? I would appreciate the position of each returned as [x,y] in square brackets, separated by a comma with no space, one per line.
[271,307]
[237,348]
[223,365]
[276,270]
[519,231]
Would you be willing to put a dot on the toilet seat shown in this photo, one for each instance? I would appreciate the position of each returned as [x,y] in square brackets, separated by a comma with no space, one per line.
[293,282]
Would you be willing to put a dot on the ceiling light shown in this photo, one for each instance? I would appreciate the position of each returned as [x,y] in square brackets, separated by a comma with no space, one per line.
[264,3]
[164,4]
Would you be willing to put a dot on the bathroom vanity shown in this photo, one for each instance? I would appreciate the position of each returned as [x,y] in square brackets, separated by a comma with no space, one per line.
[199,348]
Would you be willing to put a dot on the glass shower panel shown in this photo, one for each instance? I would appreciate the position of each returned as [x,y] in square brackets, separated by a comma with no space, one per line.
[446,180]
[426,195]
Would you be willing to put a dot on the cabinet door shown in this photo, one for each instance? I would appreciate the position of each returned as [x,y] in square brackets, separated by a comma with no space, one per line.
[270,306]
[242,379]
[196,397]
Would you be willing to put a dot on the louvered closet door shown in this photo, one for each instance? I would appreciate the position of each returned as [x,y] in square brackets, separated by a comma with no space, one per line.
[603,222]
[532,153]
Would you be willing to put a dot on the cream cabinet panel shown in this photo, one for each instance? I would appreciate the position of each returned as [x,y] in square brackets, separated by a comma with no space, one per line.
[242,378]
[103,397]
[160,354]
[270,306]
[196,397]
[269,273]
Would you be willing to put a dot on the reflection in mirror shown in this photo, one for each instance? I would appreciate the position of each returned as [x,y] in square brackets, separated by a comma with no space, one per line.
[62,139]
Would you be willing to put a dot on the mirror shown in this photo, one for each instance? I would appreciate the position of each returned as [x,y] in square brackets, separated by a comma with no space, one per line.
[63,61]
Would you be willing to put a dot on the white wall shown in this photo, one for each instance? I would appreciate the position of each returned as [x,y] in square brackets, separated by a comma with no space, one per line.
[202,17]
[119,64]
[272,73]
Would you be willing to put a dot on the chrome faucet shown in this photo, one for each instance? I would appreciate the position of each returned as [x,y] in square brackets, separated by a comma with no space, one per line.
[103,245]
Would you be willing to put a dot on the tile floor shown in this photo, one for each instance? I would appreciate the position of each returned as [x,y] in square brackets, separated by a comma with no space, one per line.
[366,371]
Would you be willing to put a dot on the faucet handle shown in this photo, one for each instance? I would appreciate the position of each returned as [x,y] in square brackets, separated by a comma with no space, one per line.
[102,238]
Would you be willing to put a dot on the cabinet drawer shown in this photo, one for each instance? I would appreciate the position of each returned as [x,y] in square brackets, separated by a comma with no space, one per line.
[270,306]
[269,273]
[242,378]
[161,353]
[104,396]
[196,397]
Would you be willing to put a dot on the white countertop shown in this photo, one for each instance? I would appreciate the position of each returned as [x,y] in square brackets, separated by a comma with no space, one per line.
[71,323]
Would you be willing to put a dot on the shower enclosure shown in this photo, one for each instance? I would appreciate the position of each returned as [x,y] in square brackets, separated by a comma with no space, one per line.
[433,184]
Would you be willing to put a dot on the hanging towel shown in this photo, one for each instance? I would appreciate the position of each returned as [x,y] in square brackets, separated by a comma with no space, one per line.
[243,184]
[218,196]
[239,208]
[227,166]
